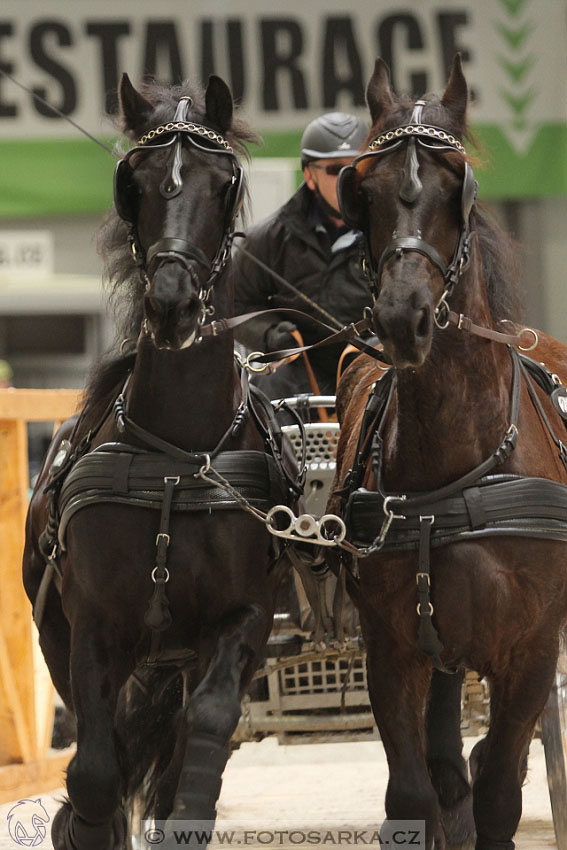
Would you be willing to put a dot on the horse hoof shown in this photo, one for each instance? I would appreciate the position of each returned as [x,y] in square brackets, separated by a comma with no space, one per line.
[69,832]
[458,825]
[60,828]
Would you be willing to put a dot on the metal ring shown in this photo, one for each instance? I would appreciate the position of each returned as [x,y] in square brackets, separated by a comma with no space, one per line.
[429,613]
[340,535]
[248,363]
[442,305]
[535,342]
[166,578]
[280,509]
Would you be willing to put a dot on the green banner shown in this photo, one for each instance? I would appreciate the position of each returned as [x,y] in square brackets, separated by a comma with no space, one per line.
[43,178]
[285,65]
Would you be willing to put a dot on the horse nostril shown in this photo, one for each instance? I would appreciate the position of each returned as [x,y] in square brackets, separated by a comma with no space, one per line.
[152,307]
[422,325]
[188,307]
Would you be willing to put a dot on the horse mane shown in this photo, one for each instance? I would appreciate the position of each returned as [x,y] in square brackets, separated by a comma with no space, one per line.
[501,254]
[106,379]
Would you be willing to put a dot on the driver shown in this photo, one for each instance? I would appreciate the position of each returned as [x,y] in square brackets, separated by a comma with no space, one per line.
[308,244]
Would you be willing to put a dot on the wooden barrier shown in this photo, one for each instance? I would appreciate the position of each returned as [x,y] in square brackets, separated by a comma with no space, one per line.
[26,694]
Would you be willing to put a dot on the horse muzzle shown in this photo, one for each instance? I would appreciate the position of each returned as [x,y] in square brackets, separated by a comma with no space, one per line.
[173,308]
[404,327]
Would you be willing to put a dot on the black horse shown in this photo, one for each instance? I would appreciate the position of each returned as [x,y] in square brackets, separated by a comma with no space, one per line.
[452,479]
[148,505]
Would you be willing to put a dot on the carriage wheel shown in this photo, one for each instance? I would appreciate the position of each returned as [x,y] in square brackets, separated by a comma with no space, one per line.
[554,735]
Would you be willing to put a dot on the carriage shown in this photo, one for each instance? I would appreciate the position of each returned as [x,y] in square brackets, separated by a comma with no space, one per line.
[174,463]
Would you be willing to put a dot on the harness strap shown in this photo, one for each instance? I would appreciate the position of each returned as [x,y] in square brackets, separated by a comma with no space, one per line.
[158,616]
[427,636]
[370,431]
[502,453]
[562,449]
[124,423]
[51,573]
[463,323]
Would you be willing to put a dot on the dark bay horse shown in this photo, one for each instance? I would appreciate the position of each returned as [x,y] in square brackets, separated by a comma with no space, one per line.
[163,569]
[452,483]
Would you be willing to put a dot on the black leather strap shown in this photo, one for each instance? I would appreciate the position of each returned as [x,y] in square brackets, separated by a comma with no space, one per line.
[125,424]
[158,615]
[427,636]
[254,474]
[504,450]
[510,505]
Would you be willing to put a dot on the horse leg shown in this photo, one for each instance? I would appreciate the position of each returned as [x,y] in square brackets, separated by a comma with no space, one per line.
[500,759]
[447,767]
[398,685]
[92,820]
[214,713]
[54,634]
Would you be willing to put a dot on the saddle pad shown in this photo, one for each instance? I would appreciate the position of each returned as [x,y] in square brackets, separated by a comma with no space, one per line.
[499,505]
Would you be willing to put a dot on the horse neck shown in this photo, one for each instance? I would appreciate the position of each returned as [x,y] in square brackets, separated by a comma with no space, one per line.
[185,397]
[452,413]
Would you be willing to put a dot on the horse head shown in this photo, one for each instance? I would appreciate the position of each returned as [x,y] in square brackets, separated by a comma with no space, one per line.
[412,194]
[179,190]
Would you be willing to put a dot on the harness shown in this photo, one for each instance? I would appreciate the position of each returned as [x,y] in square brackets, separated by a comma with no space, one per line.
[479,504]
[164,477]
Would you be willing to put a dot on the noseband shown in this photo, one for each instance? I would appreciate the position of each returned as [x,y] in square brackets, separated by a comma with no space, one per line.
[174,248]
[433,139]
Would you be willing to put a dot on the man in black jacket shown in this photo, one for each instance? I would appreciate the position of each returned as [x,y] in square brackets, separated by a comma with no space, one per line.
[307,243]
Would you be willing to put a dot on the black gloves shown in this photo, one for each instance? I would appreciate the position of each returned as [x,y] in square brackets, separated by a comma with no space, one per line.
[279,337]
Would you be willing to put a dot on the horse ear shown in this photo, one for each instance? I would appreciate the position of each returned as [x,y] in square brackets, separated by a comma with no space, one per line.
[378,91]
[136,110]
[218,100]
[455,97]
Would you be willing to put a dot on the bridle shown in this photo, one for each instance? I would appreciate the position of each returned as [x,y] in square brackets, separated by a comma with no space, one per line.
[414,133]
[173,248]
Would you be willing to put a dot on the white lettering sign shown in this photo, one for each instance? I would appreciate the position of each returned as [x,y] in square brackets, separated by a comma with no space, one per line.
[25,253]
